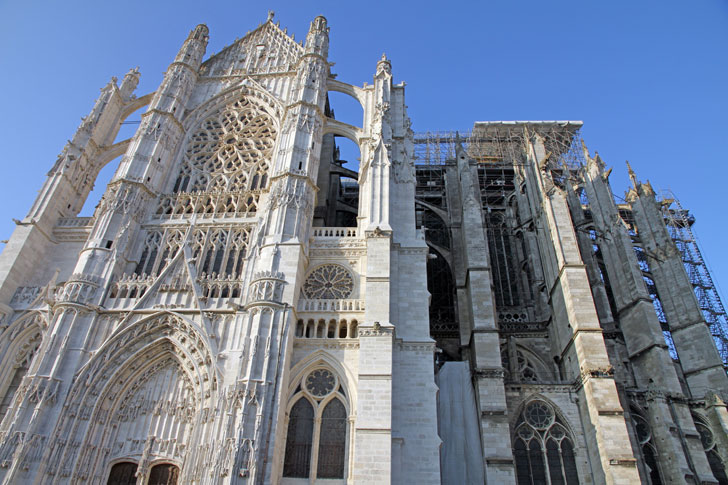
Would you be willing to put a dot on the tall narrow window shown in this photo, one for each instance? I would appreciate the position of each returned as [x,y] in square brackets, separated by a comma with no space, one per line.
[542,447]
[317,448]
[332,442]
[644,435]
[300,440]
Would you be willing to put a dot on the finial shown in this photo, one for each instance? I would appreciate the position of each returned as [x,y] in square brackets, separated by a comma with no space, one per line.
[384,56]
[271,14]
[632,175]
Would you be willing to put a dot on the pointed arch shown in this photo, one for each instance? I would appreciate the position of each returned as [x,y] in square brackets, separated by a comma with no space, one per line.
[319,420]
[321,358]
[158,397]
[20,343]
[530,367]
[246,88]
[101,385]
[544,447]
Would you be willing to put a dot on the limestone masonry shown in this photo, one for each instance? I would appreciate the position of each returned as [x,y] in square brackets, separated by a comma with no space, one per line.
[245,307]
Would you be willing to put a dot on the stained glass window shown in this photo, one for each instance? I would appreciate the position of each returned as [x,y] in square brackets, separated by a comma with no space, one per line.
[332,441]
[297,462]
[328,282]
[542,446]
[320,382]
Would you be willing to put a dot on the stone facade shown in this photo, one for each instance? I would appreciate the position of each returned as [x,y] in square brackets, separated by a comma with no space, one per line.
[236,311]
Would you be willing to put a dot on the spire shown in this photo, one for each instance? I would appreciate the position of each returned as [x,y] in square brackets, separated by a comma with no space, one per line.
[271,14]
[632,176]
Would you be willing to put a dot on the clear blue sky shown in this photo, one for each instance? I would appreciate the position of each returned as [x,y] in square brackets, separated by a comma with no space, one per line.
[648,78]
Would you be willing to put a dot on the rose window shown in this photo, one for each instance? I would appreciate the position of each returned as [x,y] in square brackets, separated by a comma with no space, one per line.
[230,151]
[328,282]
[538,415]
[320,382]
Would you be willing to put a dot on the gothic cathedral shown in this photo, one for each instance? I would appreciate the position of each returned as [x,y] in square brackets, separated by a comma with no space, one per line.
[244,307]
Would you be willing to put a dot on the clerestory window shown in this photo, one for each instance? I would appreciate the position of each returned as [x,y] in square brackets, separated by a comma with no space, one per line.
[316,443]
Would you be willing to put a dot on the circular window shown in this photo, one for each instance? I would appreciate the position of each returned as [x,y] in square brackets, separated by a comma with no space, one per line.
[525,432]
[539,415]
[328,282]
[320,382]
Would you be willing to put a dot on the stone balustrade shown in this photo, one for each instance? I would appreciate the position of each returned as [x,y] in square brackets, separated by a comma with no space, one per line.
[337,306]
[75,222]
[335,232]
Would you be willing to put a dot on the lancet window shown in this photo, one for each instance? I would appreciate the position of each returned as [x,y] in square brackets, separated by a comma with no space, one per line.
[217,251]
[643,433]
[505,269]
[543,447]
[225,166]
[709,446]
[316,443]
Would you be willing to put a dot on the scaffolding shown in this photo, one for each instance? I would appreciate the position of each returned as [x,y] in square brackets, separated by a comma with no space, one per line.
[503,142]
[679,223]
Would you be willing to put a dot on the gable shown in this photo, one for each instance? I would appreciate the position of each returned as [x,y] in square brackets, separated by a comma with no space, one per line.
[266,50]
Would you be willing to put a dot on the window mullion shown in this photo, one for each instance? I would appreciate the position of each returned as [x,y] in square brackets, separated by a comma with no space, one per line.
[349,472]
[315,444]
[545,458]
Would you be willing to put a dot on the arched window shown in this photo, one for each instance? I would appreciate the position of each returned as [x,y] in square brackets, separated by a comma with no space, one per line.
[123,473]
[299,441]
[332,441]
[542,446]
[163,474]
[708,440]
[316,444]
[643,432]
[440,284]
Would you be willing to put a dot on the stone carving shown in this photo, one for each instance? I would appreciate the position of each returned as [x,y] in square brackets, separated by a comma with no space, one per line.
[328,281]
[25,295]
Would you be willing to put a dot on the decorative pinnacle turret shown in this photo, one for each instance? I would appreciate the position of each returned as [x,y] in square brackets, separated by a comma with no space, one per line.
[632,175]
[317,40]
[384,65]
[194,46]
[201,32]
[130,82]
[271,14]
[320,25]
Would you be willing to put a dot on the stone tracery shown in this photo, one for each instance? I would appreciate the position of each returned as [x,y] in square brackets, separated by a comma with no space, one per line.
[227,159]
[329,281]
